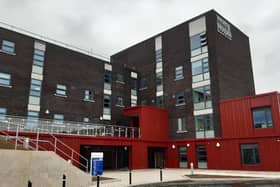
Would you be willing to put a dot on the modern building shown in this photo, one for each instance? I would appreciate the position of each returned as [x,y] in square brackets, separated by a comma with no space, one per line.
[171,98]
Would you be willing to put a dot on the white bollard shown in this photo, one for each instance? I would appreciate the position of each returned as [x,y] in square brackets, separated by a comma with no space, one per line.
[192,171]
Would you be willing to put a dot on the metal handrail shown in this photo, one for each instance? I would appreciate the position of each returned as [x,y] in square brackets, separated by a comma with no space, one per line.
[72,151]
[56,149]
[10,123]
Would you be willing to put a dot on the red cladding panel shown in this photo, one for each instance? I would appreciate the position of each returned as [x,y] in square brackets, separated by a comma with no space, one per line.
[237,120]
[153,122]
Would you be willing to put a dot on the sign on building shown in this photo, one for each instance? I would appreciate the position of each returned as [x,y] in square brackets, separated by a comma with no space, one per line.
[223,28]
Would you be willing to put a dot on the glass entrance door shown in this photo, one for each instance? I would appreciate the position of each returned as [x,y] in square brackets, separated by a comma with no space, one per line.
[201,155]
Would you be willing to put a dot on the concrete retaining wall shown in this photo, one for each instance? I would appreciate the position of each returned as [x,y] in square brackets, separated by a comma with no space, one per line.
[43,168]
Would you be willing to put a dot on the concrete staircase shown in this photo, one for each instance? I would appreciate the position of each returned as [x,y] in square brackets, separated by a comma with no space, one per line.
[42,168]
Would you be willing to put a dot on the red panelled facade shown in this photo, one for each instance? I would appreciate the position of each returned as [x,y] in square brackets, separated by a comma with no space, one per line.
[222,153]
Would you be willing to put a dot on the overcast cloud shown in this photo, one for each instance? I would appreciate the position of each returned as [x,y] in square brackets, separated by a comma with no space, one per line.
[108,26]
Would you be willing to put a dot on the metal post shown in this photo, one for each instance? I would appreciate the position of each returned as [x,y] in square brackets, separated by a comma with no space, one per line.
[160,174]
[55,142]
[126,132]
[104,128]
[72,155]
[29,184]
[139,134]
[132,132]
[37,140]
[86,165]
[63,180]
[130,177]
[119,132]
[98,181]
[16,138]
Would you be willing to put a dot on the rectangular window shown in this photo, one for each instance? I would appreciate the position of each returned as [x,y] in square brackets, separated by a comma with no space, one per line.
[3,112]
[262,117]
[119,101]
[119,78]
[107,105]
[58,119]
[202,98]
[198,44]
[61,89]
[8,46]
[201,156]
[107,77]
[35,89]
[107,80]
[250,154]
[143,84]
[87,120]
[159,101]
[38,57]
[183,157]
[34,100]
[37,69]
[32,118]
[180,98]
[179,73]
[5,79]
[88,95]
[133,83]
[200,70]
[204,126]
[181,124]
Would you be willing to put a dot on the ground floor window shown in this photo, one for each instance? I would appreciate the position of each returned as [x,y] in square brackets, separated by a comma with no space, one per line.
[183,157]
[250,154]
[201,155]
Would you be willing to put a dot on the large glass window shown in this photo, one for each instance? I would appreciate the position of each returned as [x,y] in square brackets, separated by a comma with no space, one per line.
[262,117]
[88,95]
[200,70]
[182,157]
[8,46]
[3,112]
[35,89]
[179,73]
[204,125]
[5,79]
[38,57]
[61,89]
[58,119]
[198,44]
[181,124]
[250,154]
[202,98]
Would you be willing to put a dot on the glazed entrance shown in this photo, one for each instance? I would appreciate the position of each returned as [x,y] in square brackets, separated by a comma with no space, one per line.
[115,157]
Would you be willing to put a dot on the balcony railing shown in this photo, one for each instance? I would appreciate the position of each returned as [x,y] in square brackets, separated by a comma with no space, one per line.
[11,123]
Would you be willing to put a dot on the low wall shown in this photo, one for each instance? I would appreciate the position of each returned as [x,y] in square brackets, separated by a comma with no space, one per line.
[43,168]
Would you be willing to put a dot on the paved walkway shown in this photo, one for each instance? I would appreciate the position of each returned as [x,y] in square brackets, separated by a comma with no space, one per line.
[121,178]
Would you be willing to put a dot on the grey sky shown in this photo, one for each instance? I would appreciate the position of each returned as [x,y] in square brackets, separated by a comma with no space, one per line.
[108,26]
